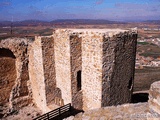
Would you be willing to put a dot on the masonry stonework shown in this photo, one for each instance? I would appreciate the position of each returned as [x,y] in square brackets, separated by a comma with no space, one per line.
[36,73]
[63,65]
[90,68]
[105,59]
[7,74]
[49,68]
[76,70]
[118,68]
[16,78]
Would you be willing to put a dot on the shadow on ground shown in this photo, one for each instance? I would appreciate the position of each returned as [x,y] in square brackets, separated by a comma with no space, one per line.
[139,97]
[72,112]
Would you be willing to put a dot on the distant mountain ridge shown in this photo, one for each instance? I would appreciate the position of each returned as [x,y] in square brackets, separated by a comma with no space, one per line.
[85,21]
[153,21]
[68,22]
[59,22]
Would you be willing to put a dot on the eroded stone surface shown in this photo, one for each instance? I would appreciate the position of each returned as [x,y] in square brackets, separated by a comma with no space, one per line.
[154,100]
[18,93]
[123,112]
[90,68]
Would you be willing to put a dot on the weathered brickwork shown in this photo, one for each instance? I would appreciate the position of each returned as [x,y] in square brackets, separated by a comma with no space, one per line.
[105,60]
[142,111]
[7,75]
[118,68]
[62,64]
[76,69]
[49,68]
[90,68]
[16,77]
[36,73]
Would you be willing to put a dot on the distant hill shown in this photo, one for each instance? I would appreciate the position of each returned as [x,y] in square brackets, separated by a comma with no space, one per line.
[5,23]
[152,21]
[59,22]
[84,21]
[24,23]
[70,22]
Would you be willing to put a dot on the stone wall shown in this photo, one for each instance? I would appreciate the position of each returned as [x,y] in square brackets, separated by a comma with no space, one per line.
[104,58]
[119,54]
[91,70]
[142,111]
[49,68]
[63,65]
[19,92]
[7,74]
[36,73]
[76,70]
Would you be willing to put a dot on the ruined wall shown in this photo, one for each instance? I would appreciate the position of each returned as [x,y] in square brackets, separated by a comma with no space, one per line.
[7,74]
[76,70]
[105,60]
[63,65]
[36,73]
[49,68]
[91,70]
[119,54]
[19,95]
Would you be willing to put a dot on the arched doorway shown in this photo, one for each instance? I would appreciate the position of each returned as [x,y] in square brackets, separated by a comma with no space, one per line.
[7,74]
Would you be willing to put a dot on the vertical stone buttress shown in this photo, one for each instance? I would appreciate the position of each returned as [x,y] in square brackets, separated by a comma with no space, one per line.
[49,68]
[119,52]
[36,73]
[63,64]
[92,70]
[76,70]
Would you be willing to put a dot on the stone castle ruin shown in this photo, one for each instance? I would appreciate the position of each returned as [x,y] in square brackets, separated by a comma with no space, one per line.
[89,68]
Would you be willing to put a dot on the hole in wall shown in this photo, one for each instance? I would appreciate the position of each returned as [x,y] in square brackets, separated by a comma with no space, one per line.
[6,53]
[130,83]
[79,84]
[140,97]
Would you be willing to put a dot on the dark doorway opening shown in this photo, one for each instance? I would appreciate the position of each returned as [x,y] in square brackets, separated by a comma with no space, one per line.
[6,53]
[139,97]
[79,84]
[130,83]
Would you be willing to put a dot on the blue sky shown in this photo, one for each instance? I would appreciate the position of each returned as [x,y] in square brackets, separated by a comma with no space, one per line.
[121,10]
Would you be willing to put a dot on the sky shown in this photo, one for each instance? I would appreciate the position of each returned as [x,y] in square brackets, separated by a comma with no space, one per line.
[48,10]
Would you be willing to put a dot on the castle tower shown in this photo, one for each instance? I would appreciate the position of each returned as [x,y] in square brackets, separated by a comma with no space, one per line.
[90,68]
[100,66]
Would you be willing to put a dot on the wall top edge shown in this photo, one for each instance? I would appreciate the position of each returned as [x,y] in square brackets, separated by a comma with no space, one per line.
[100,32]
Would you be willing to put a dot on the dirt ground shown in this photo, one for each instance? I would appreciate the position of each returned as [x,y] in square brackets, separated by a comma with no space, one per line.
[26,113]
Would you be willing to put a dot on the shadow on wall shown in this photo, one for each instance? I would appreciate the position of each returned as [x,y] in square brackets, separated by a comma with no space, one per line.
[140,97]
